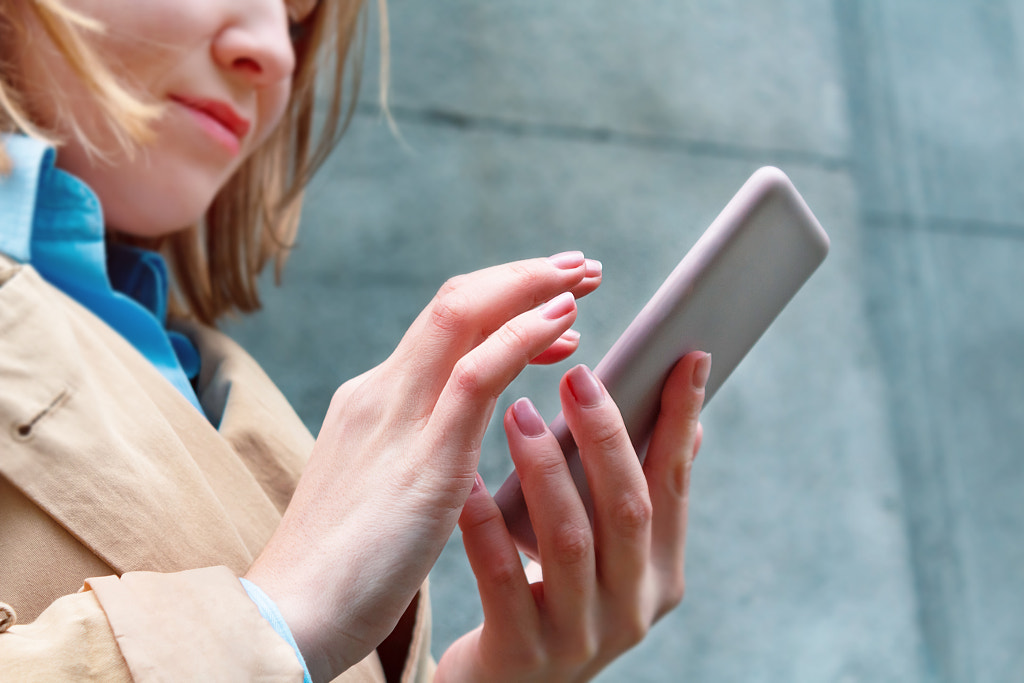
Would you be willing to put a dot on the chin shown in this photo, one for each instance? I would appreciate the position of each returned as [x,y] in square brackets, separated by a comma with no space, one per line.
[153,221]
[157,194]
[158,205]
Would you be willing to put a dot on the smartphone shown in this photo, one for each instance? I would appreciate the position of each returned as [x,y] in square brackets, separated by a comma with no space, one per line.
[721,298]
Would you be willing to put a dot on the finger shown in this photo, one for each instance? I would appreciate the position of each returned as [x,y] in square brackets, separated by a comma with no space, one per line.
[674,444]
[591,279]
[622,507]
[563,347]
[504,591]
[464,408]
[565,539]
[469,308]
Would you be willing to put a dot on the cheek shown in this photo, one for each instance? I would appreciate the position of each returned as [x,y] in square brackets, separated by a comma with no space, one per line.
[272,105]
[143,41]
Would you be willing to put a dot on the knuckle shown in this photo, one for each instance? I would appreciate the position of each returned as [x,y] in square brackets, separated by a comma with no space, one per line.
[350,388]
[638,632]
[523,270]
[632,514]
[339,399]
[528,280]
[452,305]
[481,517]
[674,591]
[572,543]
[505,576]
[452,284]
[543,467]
[608,435]
[630,631]
[530,656]
[575,653]
[466,377]
[350,403]
[679,397]
[515,336]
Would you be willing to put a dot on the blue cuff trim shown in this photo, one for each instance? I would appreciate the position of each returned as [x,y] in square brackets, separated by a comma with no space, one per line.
[270,612]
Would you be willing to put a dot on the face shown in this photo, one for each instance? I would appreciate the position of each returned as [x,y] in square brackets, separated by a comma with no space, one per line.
[221,70]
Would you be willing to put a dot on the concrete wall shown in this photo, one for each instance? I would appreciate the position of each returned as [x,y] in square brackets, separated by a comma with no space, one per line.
[857,506]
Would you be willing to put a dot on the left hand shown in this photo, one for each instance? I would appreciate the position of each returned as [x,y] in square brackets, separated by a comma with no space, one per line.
[396,456]
[605,584]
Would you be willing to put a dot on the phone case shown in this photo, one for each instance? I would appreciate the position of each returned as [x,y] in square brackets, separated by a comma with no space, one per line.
[721,298]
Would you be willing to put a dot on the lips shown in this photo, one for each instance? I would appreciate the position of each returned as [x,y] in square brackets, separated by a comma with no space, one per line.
[220,112]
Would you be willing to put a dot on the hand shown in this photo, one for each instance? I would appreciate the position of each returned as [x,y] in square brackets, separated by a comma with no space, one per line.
[396,456]
[603,584]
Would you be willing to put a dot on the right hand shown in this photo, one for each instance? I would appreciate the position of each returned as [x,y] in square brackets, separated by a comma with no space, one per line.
[397,455]
[602,583]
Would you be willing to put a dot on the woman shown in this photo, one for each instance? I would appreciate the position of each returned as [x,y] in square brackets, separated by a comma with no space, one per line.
[157,456]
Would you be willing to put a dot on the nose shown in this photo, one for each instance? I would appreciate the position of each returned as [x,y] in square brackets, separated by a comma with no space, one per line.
[256,44]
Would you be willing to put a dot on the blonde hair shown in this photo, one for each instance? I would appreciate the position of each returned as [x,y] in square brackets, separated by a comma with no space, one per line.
[254,218]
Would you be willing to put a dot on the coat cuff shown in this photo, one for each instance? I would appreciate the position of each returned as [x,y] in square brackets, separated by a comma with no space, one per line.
[194,625]
[269,611]
[69,641]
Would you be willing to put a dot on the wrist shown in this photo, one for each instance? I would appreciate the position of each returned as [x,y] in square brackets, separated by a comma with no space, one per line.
[269,611]
[326,650]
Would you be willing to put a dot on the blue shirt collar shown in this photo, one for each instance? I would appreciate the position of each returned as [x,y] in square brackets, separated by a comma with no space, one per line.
[54,221]
[18,191]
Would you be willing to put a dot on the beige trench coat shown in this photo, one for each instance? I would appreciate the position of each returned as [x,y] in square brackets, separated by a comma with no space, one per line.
[107,471]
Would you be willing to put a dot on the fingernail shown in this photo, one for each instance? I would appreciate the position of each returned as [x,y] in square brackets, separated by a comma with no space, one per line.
[570,335]
[701,371]
[594,268]
[478,484]
[584,387]
[567,259]
[528,420]
[561,305]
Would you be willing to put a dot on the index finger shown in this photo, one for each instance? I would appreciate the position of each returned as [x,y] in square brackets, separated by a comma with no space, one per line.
[469,308]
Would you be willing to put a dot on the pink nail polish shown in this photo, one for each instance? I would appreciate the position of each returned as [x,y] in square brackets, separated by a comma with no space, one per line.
[567,260]
[584,387]
[561,305]
[478,483]
[570,335]
[527,419]
[701,372]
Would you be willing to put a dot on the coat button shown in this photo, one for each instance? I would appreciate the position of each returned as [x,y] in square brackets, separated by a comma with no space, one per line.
[7,617]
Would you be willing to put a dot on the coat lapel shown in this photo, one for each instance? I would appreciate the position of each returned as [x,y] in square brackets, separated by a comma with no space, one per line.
[251,413]
[108,448]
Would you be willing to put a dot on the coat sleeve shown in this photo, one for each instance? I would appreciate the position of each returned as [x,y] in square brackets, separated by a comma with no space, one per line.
[145,626]
[419,663]
[70,640]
